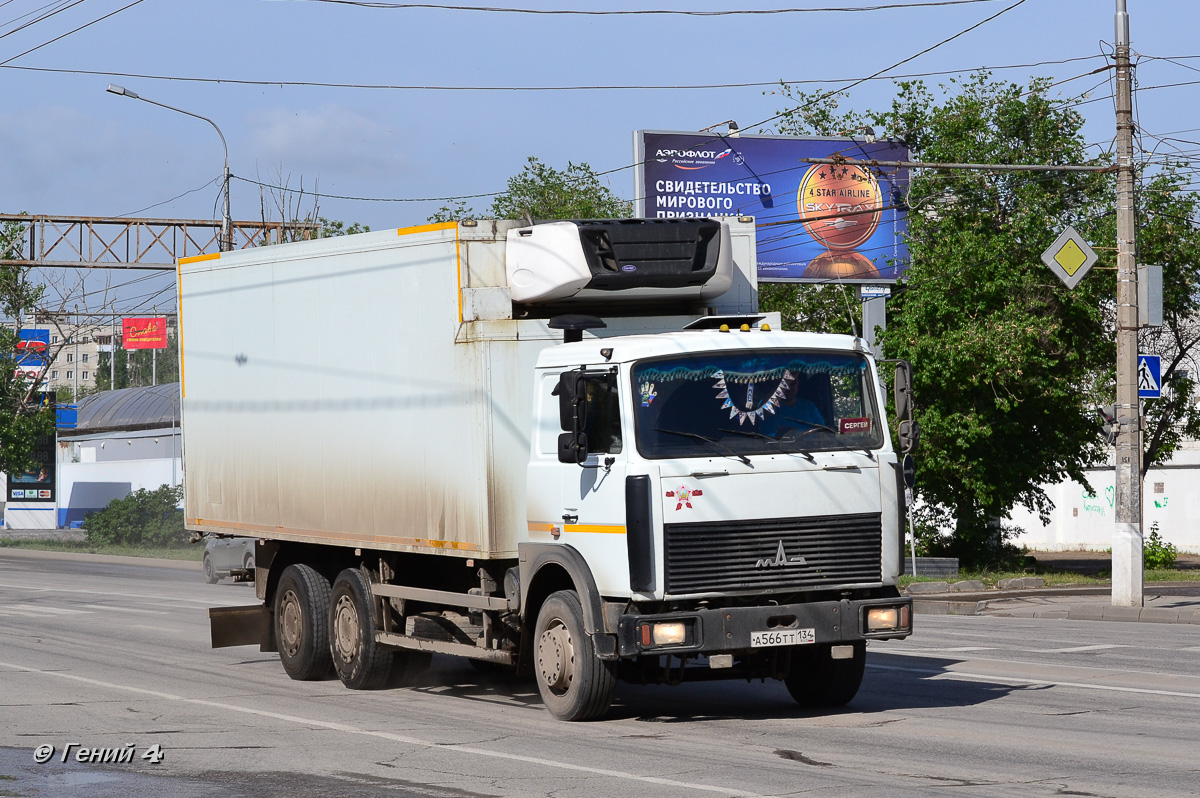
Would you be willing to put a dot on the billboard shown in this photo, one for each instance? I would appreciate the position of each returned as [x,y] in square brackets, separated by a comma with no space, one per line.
[36,484]
[815,223]
[32,354]
[144,333]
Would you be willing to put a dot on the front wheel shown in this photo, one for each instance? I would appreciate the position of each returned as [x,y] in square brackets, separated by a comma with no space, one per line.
[816,679]
[574,683]
[360,662]
[302,622]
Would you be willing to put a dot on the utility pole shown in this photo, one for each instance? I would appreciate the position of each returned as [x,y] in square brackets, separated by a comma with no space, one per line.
[75,356]
[1127,564]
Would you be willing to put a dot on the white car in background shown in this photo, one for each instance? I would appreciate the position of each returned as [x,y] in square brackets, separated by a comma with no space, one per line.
[228,556]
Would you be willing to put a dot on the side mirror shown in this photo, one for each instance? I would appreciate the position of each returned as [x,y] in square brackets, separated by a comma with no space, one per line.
[903,391]
[572,447]
[572,401]
[909,433]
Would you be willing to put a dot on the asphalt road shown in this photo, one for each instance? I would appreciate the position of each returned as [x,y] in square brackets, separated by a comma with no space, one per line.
[101,655]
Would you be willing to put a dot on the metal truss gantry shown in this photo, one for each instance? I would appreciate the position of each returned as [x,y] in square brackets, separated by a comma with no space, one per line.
[131,243]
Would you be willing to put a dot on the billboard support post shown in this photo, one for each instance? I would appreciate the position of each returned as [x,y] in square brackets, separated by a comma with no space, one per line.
[874,319]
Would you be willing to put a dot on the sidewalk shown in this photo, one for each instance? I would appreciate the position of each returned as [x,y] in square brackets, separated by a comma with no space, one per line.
[1165,602]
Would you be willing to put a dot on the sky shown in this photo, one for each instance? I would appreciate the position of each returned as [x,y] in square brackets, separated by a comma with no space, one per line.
[67,147]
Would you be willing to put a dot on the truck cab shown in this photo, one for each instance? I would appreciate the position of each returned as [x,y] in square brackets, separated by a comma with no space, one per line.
[728,487]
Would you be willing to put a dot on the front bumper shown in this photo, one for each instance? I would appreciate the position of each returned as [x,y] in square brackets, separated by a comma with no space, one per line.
[727,630]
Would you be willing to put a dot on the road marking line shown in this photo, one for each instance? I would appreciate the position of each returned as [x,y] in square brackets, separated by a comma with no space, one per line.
[957,649]
[18,612]
[973,677]
[41,589]
[398,738]
[125,609]
[1073,650]
[51,610]
[39,612]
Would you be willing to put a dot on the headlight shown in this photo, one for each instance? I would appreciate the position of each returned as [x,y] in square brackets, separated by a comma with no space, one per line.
[669,634]
[886,619]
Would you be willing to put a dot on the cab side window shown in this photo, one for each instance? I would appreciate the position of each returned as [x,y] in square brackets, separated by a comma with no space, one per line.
[604,419]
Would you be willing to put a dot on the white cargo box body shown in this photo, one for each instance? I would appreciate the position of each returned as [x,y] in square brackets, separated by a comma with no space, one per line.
[362,390]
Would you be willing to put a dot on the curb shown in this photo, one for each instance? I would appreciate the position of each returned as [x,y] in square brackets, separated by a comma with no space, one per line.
[115,559]
[986,604]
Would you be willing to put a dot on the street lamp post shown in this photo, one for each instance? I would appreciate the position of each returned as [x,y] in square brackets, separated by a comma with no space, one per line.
[226,236]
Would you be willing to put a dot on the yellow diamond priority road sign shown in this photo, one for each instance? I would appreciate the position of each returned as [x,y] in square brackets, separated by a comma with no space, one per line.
[1069,257]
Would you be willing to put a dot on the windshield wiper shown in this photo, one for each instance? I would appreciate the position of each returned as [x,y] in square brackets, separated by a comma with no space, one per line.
[706,439]
[813,426]
[756,434]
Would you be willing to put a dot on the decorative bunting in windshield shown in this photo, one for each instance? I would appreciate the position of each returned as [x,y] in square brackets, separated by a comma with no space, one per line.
[751,412]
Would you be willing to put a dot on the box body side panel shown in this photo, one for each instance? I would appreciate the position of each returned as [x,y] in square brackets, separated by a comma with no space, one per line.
[328,401]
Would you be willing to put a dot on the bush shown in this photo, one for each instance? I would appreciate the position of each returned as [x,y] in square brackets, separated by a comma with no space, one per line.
[143,518]
[1157,553]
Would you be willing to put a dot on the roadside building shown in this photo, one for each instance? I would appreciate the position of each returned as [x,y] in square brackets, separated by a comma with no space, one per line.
[125,440]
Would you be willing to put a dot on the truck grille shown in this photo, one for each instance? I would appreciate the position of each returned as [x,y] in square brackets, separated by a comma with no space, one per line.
[817,552]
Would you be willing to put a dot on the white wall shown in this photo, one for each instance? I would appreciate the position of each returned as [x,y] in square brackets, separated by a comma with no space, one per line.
[1170,498]
[88,486]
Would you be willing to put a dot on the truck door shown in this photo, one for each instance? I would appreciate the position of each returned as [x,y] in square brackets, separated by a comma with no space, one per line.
[593,492]
[581,503]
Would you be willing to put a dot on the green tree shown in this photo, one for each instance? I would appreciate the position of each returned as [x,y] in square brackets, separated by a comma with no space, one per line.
[1168,236]
[336,227]
[143,518]
[540,191]
[1008,362]
[23,420]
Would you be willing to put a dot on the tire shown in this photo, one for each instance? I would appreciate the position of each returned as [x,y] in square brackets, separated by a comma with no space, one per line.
[302,623]
[815,679]
[210,571]
[575,685]
[360,662]
[248,563]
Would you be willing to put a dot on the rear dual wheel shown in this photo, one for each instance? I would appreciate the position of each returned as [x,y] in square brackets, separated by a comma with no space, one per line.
[361,663]
[302,623]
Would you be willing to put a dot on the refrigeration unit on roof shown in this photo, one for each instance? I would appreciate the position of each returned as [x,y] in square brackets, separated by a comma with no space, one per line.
[619,260]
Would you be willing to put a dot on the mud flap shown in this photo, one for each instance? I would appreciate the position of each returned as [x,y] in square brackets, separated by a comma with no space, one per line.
[241,626]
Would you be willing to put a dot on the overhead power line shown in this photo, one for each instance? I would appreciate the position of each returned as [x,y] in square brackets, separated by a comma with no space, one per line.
[643,12]
[61,7]
[73,30]
[759,124]
[602,87]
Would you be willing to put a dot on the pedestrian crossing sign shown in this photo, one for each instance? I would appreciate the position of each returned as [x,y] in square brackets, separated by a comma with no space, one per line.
[1149,377]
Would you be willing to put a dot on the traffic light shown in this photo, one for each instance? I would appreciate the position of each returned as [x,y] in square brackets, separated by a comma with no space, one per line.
[1108,421]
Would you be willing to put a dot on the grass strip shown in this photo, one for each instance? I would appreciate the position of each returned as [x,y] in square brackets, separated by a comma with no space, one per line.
[192,553]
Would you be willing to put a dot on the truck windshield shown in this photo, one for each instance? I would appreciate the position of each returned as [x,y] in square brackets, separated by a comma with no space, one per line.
[745,403]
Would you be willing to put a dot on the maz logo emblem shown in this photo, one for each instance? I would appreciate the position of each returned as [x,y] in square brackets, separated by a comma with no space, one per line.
[781,559]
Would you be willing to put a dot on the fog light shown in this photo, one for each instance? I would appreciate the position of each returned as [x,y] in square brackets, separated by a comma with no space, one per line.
[669,634]
[880,619]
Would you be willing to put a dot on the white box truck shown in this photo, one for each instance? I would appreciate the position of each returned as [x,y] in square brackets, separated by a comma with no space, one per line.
[572,448]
